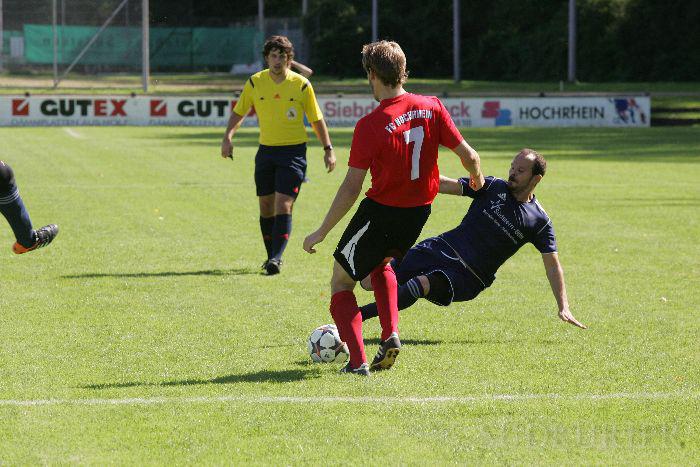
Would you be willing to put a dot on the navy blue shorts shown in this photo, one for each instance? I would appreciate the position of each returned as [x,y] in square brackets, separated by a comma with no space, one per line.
[434,255]
[280,169]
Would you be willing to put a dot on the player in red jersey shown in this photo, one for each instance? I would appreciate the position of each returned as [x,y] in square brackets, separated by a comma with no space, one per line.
[398,142]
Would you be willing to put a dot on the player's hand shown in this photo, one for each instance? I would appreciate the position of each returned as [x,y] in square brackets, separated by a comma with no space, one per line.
[311,240]
[226,149]
[329,160]
[566,316]
[475,183]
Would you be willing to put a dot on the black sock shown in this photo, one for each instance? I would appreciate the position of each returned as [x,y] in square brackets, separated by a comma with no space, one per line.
[409,293]
[280,235]
[266,224]
[13,209]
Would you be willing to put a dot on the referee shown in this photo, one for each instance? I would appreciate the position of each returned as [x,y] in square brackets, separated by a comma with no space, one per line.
[280,98]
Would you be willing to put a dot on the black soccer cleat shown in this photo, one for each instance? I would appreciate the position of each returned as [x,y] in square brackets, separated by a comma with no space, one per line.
[362,370]
[387,353]
[44,236]
[273,266]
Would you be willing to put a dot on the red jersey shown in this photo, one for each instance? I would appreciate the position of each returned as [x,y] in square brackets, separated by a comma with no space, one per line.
[398,142]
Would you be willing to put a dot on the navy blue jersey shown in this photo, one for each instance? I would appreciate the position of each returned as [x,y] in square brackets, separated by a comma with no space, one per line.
[496,226]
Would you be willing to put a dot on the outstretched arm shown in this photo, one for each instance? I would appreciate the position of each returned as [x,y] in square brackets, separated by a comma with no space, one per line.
[346,196]
[450,186]
[470,161]
[555,274]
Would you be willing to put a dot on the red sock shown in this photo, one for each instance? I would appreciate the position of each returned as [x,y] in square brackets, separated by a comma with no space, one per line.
[385,293]
[347,317]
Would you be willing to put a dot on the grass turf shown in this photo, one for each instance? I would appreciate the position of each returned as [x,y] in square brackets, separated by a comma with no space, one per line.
[217,83]
[145,333]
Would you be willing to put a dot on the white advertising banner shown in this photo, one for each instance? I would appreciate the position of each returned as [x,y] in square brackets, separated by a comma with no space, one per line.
[619,111]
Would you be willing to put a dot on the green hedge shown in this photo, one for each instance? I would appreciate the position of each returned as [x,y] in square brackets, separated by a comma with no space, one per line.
[632,40]
[170,47]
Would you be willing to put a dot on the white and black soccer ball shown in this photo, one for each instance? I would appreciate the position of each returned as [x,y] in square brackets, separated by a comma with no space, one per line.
[324,345]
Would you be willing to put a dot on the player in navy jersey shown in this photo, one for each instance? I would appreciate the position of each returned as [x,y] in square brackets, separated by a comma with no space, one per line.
[398,143]
[13,209]
[504,215]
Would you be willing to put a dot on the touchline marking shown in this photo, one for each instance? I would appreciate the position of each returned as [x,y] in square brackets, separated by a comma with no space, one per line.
[73,133]
[351,399]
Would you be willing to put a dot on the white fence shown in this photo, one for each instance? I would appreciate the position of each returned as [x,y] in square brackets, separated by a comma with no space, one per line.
[619,111]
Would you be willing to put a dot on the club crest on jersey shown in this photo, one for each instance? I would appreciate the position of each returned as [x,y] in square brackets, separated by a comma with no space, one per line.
[496,205]
[292,113]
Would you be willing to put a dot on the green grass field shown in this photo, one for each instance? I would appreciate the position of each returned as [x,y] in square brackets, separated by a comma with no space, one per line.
[224,83]
[145,334]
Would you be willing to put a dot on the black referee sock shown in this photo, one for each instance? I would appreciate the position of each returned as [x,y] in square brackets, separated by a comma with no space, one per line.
[408,294]
[280,235]
[266,224]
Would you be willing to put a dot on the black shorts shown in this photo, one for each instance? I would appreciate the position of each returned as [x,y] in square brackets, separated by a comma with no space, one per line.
[377,232]
[280,169]
[434,255]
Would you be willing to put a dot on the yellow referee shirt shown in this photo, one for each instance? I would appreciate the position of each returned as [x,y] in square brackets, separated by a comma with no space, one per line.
[280,107]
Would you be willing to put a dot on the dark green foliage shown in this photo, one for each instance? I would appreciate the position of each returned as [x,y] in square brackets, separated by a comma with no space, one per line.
[660,39]
[524,40]
[517,40]
[336,30]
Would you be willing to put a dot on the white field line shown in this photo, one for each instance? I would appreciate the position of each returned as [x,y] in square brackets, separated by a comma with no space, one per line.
[351,399]
[73,133]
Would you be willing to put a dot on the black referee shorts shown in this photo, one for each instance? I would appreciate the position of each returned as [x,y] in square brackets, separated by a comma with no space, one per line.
[377,232]
[280,169]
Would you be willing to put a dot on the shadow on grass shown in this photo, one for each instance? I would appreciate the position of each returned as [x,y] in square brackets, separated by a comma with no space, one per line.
[418,342]
[213,136]
[644,203]
[375,341]
[207,272]
[266,376]
[654,145]
[247,138]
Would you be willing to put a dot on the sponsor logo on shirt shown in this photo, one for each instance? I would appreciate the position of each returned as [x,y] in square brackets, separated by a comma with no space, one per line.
[498,218]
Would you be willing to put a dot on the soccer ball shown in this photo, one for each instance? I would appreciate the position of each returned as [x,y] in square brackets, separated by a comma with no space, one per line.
[324,345]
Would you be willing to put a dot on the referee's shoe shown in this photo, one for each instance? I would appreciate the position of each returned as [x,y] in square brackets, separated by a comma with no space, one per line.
[387,353]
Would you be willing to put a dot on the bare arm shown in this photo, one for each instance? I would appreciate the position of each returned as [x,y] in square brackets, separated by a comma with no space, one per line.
[234,122]
[450,186]
[324,138]
[555,275]
[303,70]
[346,196]
[470,161]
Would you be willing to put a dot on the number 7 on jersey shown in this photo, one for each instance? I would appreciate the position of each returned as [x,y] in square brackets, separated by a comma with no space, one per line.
[415,135]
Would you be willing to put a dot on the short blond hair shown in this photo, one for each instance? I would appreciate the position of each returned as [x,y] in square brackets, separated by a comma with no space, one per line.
[387,61]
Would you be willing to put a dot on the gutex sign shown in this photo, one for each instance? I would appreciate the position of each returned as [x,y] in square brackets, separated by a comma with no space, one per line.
[618,111]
